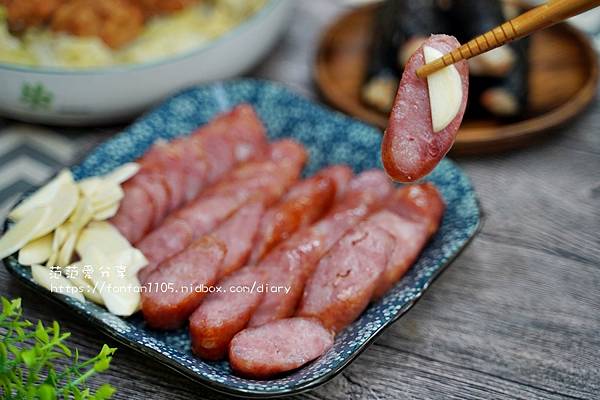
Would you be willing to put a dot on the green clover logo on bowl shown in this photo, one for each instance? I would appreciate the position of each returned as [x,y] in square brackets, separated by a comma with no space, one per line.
[36,96]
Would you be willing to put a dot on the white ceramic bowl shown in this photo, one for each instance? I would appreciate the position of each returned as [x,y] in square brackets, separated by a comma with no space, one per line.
[112,94]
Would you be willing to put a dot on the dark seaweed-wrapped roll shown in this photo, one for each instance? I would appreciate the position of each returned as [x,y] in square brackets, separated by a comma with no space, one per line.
[416,21]
[471,18]
[381,80]
[477,86]
[400,27]
[507,96]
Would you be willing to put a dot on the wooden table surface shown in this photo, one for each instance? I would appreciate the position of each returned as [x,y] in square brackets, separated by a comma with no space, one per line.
[517,315]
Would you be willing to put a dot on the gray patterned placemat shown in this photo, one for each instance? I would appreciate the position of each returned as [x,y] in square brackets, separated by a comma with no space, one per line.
[30,154]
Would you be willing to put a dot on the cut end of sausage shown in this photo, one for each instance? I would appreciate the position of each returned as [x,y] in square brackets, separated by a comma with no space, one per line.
[340,175]
[171,294]
[278,347]
[410,148]
[346,278]
[420,201]
[223,314]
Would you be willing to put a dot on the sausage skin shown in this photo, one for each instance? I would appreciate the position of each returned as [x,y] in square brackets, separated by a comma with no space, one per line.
[259,180]
[304,203]
[291,264]
[187,165]
[278,347]
[223,314]
[238,234]
[412,216]
[346,278]
[422,201]
[170,295]
[340,175]
[410,149]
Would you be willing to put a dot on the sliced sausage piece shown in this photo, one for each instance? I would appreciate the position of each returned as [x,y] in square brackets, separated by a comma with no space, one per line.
[166,159]
[218,154]
[410,237]
[278,347]
[262,181]
[246,132]
[200,218]
[410,148]
[207,213]
[286,269]
[288,154]
[172,238]
[212,150]
[155,187]
[286,160]
[301,206]
[237,136]
[373,181]
[124,226]
[419,201]
[365,193]
[287,264]
[195,167]
[290,265]
[174,290]
[340,175]
[238,233]
[412,216]
[229,139]
[153,204]
[346,278]
[223,314]
[136,213]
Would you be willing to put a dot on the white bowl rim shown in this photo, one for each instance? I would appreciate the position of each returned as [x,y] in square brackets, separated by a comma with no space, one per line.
[237,30]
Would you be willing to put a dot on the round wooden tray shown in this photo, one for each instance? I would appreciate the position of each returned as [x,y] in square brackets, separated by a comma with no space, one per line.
[564,76]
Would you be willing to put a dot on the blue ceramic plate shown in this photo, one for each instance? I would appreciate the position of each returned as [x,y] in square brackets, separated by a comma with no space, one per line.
[330,138]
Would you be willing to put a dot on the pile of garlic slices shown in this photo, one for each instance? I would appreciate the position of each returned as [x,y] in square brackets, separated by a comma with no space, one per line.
[61,232]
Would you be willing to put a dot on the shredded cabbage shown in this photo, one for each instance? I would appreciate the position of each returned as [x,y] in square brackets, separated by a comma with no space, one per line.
[162,37]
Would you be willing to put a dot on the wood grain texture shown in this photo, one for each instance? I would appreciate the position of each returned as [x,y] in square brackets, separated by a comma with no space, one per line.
[515,317]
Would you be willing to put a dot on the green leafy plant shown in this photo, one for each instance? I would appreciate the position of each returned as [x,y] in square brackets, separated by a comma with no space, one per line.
[35,362]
